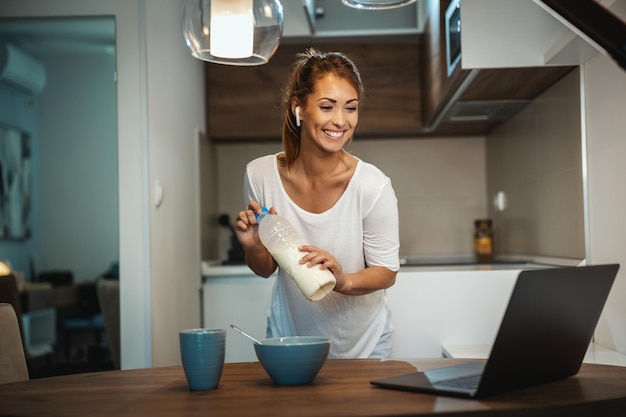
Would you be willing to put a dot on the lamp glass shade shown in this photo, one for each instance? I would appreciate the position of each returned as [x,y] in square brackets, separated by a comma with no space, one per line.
[233,32]
[376,4]
[5,269]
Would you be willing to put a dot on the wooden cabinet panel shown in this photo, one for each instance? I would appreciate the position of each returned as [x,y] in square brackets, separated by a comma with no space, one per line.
[244,102]
[438,87]
[513,83]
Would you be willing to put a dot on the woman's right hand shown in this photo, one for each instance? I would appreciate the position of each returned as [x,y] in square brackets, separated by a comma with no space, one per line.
[245,226]
[247,231]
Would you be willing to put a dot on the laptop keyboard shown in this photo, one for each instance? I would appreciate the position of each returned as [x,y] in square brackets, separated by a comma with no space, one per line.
[463,382]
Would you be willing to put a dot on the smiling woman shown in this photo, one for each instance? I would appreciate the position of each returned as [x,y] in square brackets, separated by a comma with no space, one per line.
[344,208]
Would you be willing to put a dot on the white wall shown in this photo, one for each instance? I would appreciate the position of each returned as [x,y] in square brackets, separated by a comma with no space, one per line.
[535,159]
[79,165]
[605,101]
[176,113]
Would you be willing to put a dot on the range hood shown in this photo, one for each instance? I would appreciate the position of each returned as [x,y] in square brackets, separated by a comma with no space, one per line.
[457,110]
[593,22]
[484,110]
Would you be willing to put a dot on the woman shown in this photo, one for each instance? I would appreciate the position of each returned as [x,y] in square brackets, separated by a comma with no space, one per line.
[344,208]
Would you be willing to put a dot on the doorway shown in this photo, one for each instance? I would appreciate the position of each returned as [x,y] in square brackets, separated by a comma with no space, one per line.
[73,218]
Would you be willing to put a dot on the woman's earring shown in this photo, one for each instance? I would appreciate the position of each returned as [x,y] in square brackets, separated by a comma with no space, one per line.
[297,111]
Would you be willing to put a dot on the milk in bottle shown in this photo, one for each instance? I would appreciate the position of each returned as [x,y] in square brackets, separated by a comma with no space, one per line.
[282,240]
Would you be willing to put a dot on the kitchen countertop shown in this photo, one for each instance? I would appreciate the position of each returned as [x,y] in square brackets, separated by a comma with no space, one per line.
[596,353]
[416,263]
[217,269]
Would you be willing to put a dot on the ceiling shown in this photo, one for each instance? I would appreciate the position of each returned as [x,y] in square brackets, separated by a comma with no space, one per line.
[48,36]
[42,37]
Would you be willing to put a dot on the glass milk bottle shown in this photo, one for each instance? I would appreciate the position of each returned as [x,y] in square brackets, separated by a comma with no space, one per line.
[282,240]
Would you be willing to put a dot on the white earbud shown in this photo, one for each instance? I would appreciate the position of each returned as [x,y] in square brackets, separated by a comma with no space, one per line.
[297,111]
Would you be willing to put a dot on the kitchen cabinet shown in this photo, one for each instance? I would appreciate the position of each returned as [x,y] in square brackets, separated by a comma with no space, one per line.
[244,102]
[240,299]
[469,100]
[518,34]
[430,307]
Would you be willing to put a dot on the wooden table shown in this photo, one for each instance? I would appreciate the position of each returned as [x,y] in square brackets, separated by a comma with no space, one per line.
[55,297]
[341,389]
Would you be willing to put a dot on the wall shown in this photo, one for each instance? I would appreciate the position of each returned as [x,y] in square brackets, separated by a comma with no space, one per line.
[74,178]
[535,159]
[604,103]
[440,184]
[176,116]
[79,166]
[231,160]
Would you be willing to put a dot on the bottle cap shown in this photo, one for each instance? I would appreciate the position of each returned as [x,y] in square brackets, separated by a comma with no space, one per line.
[264,212]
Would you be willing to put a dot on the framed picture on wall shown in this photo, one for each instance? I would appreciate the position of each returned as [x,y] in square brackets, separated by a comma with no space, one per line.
[15,183]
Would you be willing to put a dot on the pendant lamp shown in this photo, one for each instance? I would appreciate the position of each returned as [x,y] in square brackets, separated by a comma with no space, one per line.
[5,269]
[376,4]
[233,32]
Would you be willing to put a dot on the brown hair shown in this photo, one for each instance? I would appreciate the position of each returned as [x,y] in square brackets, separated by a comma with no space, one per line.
[310,67]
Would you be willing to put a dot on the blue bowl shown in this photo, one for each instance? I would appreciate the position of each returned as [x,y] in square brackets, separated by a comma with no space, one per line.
[292,360]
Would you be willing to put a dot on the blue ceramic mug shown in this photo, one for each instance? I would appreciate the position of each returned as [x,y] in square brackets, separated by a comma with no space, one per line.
[202,353]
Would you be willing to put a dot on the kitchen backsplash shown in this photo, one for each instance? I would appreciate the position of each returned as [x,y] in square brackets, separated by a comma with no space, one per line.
[440,184]
[536,160]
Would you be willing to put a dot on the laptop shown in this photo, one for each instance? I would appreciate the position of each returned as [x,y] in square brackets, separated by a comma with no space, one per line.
[544,335]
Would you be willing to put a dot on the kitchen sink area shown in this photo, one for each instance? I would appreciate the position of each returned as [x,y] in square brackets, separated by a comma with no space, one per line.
[408,263]
[469,262]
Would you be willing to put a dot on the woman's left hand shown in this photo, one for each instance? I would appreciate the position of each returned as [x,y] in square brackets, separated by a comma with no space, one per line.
[369,279]
[326,260]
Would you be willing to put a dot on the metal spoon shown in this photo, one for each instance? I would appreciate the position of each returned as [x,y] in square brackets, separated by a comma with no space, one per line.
[245,334]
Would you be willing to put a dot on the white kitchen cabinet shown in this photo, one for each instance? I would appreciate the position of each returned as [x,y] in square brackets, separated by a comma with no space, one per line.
[437,307]
[506,33]
[518,33]
[430,307]
[239,299]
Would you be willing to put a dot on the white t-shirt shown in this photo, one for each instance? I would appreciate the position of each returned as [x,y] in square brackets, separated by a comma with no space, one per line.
[360,230]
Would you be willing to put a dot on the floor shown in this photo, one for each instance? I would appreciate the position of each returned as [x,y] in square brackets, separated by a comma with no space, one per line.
[86,353]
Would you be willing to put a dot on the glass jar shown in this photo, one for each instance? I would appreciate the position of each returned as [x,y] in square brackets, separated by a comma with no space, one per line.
[483,240]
